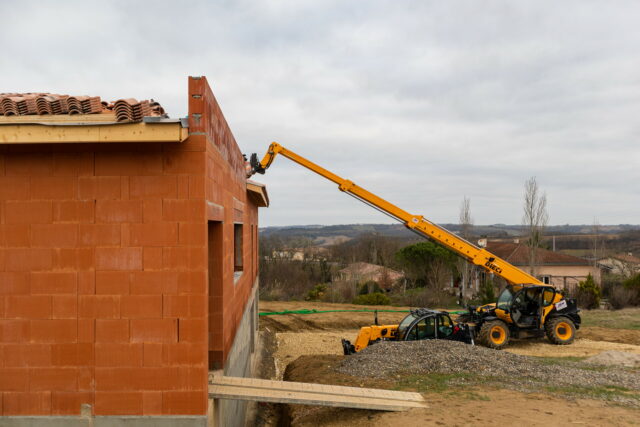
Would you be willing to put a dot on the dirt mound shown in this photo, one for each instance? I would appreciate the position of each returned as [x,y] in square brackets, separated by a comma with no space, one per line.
[623,336]
[615,358]
[388,359]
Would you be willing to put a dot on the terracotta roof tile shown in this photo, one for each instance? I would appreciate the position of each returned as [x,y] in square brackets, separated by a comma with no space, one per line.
[125,110]
[518,254]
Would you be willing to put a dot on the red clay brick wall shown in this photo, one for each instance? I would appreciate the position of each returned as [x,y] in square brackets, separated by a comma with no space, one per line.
[225,186]
[103,276]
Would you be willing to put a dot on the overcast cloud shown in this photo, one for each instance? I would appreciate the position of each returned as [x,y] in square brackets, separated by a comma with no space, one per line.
[422,102]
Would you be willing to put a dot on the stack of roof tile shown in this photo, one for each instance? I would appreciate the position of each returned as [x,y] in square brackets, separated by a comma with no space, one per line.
[125,110]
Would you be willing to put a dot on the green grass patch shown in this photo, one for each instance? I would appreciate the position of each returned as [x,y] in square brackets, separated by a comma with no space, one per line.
[597,392]
[441,383]
[628,318]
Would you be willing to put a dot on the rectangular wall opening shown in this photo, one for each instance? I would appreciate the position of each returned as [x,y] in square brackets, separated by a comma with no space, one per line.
[215,262]
[237,247]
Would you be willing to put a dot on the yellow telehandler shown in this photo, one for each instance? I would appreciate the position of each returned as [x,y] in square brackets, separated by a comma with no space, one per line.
[527,307]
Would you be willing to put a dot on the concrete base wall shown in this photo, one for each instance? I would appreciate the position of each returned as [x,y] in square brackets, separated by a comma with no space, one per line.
[232,413]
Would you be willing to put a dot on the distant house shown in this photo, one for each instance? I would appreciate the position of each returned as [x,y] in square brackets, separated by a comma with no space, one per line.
[560,270]
[624,264]
[362,272]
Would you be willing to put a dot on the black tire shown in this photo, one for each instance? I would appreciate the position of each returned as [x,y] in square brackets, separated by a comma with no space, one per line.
[494,334]
[560,330]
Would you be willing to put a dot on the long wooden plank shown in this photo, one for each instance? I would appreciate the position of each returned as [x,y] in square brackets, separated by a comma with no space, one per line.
[126,132]
[318,388]
[309,398]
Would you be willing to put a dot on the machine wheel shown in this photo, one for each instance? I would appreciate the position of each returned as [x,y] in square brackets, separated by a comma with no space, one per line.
[494,334]
[560,330]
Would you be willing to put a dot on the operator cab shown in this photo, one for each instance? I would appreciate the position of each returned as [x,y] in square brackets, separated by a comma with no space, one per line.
[425,324]
[525,304]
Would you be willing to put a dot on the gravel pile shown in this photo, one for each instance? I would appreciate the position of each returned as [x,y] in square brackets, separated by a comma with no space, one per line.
[389,359]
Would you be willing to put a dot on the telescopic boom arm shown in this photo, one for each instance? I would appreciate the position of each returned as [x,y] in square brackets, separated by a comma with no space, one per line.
[416,223]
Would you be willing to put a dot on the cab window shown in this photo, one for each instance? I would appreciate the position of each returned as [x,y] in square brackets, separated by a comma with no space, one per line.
[424,329]
[445,326]
[547,296]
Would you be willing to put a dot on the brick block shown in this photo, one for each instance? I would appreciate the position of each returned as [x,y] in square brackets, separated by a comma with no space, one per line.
[184,258]
[196,187]
[184,403]
[147,282]
[118,355]
[193,377]
[119,211]
[14,331]
[184,305]
[182,353]
[136,378]
[54,235]
[99,306]
[184,162]
[99,187]
[14,188]
[193,234]
[183,187]
[14,283]
[77,259]
[183,210]
[154,330]
[99,235]
[153,354]
[154,234]
[112,330]
[28,164]
[193,330]
[31,259]
[141,306]
[54,331]
[86,330]
[86,282]
[27,403]
[70,402]
[86,378]
[28,212]
[118,258]
[64,306]
[14,235]
[24,355]
[193,282]
[27,307]
[153,187]
[74,211]
[53,188]
[59,379]
[128,163]
[54,282]
[152,258]
[73,164]
[118,403]
[113,282]
[76,354]
[152,210]
[14,379]
[152,403]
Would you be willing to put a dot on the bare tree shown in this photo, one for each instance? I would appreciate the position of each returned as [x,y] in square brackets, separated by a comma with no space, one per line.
[597,246]
[466,225]
[535,219]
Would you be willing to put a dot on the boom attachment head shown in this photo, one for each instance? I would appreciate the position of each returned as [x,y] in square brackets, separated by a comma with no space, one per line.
[256,166]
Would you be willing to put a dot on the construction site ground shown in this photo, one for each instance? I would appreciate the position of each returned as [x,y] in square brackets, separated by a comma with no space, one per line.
[306,348]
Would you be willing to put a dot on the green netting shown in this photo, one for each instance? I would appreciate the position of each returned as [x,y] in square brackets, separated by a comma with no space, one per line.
[314,311]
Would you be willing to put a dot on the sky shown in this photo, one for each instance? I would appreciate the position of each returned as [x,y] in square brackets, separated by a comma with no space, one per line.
[421,102]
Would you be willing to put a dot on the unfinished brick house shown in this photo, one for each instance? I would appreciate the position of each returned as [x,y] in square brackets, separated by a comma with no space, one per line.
[128,260]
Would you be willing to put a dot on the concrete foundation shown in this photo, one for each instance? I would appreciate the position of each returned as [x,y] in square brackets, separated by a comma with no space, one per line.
[240,363]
